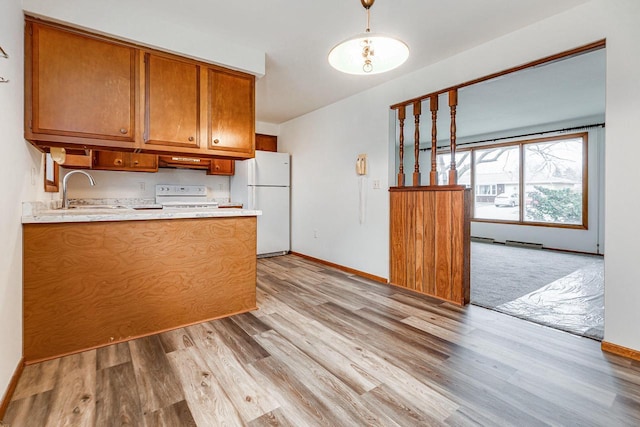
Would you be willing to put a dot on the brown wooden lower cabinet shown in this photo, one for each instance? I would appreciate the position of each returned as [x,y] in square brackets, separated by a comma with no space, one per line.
[91,284]
[430,241]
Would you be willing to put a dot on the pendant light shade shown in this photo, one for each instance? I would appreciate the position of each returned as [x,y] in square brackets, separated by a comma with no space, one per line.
[368,53]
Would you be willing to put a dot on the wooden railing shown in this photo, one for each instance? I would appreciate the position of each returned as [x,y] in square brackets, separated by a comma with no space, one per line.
[417,112]
[430,225]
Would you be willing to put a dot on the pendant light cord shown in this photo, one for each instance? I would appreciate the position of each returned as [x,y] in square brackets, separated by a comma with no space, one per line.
[368,20]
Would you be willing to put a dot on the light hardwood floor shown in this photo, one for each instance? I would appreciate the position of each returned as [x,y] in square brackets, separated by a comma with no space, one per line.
[329,348]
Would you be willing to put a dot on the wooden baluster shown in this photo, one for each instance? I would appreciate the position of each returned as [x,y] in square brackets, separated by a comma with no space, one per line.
[401,117]
[433,175]
[453,102]
[417,110]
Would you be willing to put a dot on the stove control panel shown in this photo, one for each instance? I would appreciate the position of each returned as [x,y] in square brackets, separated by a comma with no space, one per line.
[181,190]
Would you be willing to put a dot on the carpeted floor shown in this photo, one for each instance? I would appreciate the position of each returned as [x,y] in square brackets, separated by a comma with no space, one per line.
[556,289]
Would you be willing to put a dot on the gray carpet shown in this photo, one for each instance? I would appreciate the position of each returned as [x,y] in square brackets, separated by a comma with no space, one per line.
[553,288]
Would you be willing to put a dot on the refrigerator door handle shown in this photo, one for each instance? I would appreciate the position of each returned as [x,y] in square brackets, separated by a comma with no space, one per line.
[252,172]
[254,202]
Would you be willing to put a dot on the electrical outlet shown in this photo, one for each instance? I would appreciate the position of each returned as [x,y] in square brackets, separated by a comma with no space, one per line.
[142,186]
[315,234]
[376,184]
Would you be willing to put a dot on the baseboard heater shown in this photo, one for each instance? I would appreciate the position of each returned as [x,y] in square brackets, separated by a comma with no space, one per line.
[523,244]
[482,239]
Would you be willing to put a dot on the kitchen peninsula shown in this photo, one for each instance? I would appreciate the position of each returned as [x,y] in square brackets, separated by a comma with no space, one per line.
[94,277]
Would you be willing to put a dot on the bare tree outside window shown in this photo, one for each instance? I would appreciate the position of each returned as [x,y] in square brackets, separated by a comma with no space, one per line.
[550,189]
[553,181]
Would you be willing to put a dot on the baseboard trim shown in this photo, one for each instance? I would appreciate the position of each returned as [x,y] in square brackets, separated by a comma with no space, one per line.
[620,350]
[343,268]
[11,388]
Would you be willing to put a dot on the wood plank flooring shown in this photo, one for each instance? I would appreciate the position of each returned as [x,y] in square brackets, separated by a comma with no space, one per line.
[330,349]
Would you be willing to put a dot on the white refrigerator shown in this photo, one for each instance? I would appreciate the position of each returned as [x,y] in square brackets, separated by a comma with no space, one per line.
[263,183]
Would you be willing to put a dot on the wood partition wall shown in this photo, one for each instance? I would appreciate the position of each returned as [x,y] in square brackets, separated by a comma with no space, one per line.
[430,225]
[430,243]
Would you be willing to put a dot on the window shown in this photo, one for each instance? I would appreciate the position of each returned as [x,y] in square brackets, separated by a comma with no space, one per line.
[499,168]
[534,182]
[553,181]
[463,167]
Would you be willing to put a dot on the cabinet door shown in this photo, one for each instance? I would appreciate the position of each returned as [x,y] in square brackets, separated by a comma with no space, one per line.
[109,160]
[231,113]
[222,167]
[119,161]
[143,162]
[266,142]
[172,89]
[81,86]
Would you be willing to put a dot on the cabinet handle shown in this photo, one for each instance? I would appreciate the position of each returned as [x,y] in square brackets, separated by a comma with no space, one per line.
[118,162]
[215,141]
[135,162]
[190,138]
[123,131]
[217,167]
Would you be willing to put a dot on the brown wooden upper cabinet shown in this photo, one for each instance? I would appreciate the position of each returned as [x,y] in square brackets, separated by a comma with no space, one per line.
[266,142]
[86,90]
[79,89]
[172,96]
[231,113]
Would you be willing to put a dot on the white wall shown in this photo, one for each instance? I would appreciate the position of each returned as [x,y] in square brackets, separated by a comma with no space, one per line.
[19,158]
[324,144]
[266,128]
[325,188]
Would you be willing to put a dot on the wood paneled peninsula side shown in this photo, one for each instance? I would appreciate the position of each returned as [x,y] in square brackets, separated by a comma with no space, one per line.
[98,277]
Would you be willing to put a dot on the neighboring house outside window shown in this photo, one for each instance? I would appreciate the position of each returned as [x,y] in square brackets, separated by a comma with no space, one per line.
[534,182]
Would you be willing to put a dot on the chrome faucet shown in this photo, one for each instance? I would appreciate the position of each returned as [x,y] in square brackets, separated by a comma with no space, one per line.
[65,200]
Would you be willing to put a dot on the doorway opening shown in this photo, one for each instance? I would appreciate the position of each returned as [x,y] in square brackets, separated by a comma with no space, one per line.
[530,146]
[541,187]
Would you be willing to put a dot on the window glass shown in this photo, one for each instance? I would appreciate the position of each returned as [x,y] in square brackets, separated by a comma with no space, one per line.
[463,167]
[552,188]
[497,174]
[553,181]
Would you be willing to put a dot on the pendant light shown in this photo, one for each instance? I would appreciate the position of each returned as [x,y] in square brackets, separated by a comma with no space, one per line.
[368,53]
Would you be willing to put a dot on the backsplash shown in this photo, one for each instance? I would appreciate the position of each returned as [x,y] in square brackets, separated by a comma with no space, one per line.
[141,185]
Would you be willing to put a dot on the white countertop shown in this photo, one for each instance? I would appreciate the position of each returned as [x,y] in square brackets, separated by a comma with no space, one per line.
[38,212]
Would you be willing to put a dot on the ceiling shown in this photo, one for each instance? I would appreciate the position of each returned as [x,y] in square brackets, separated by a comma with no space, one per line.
[566,92]
[296,37]
[554,96]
